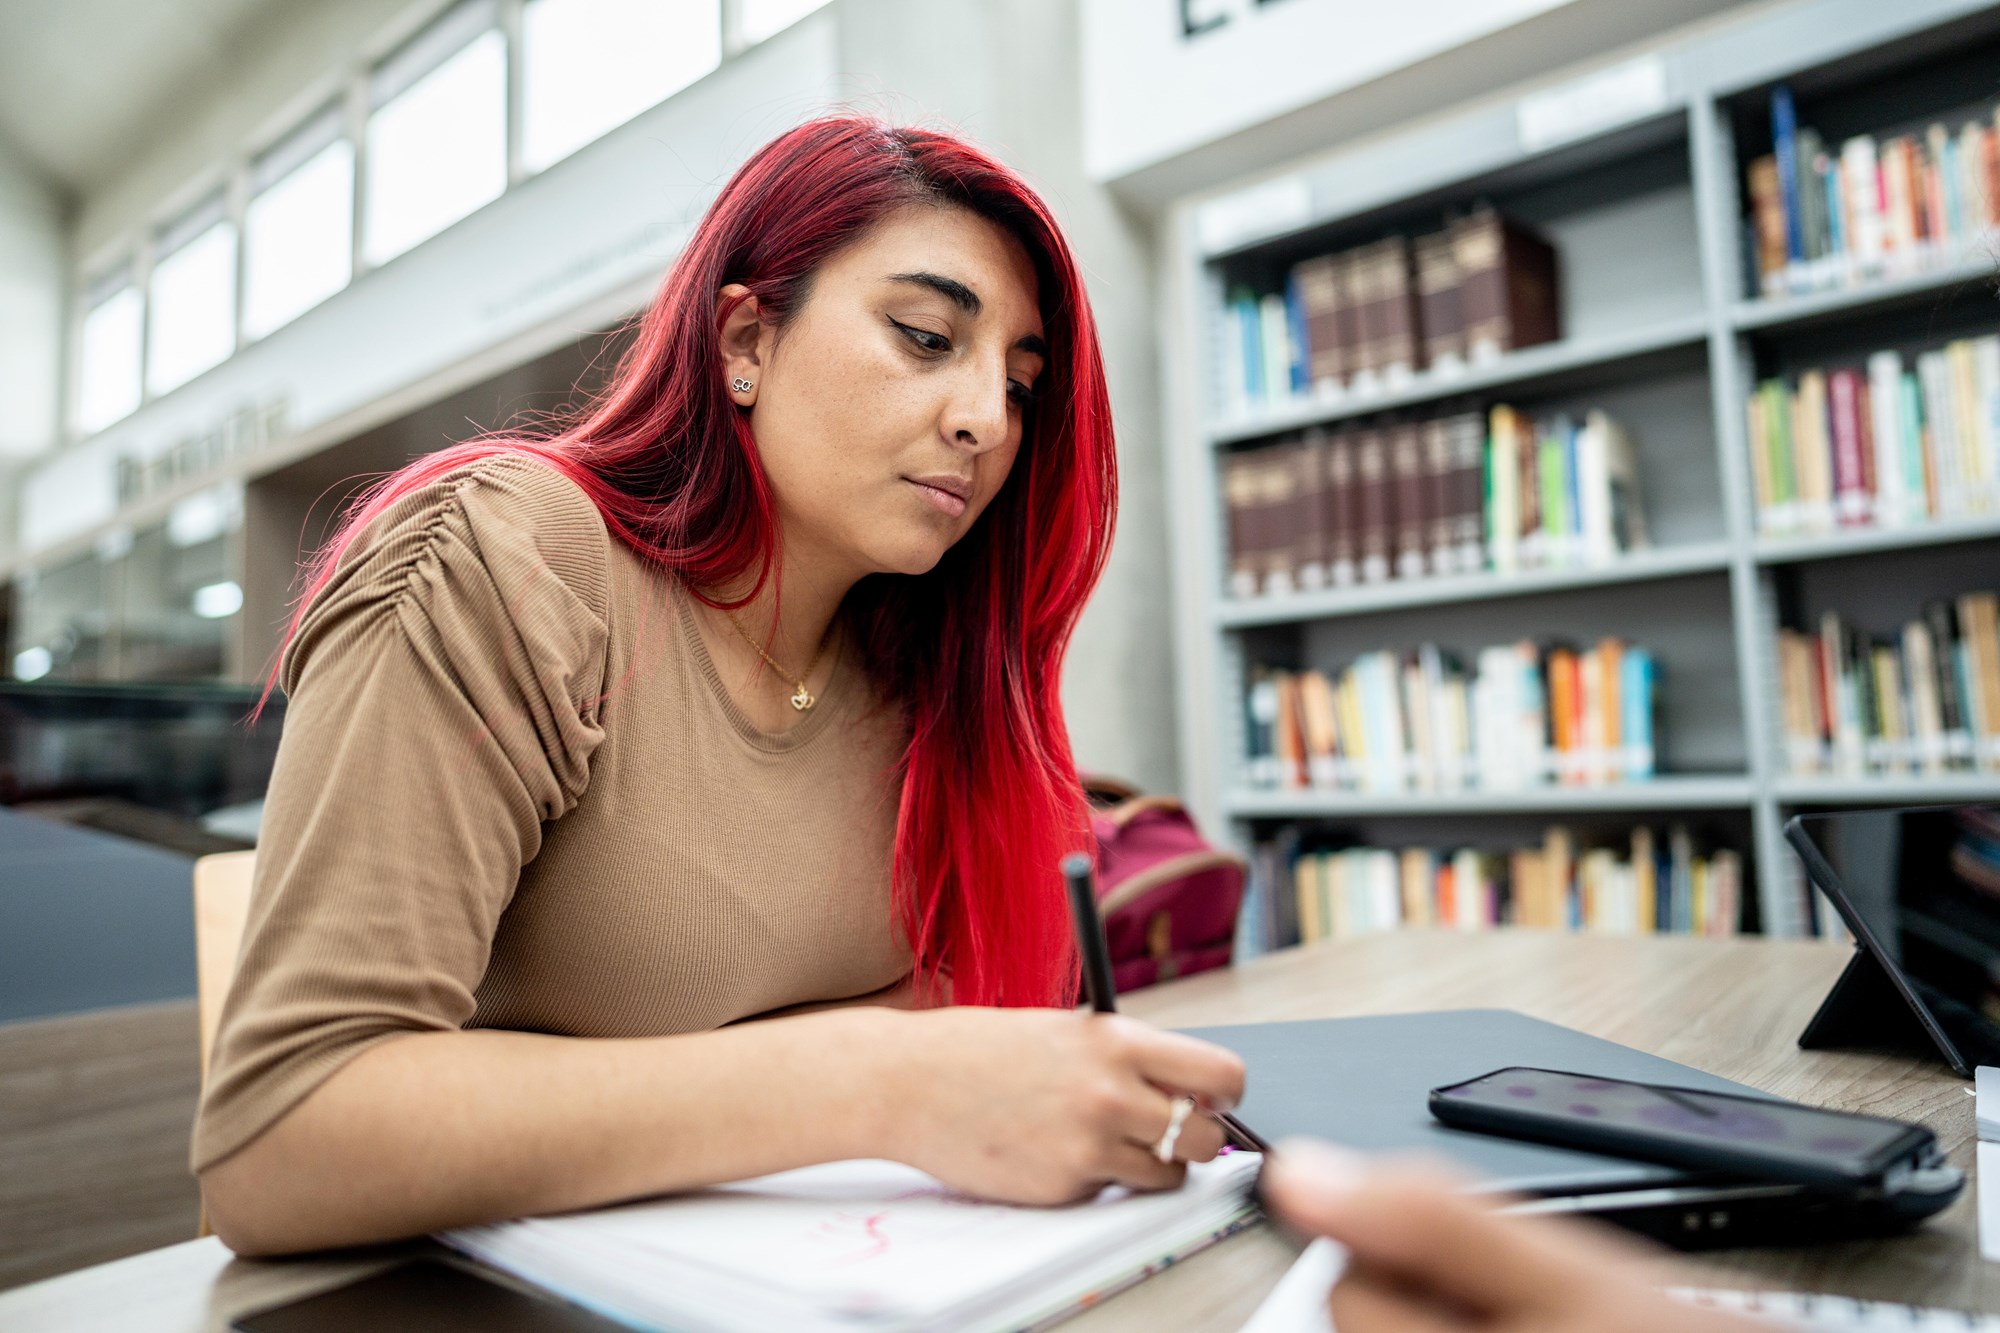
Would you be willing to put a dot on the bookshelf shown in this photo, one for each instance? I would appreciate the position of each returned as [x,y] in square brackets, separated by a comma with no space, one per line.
[1663,326]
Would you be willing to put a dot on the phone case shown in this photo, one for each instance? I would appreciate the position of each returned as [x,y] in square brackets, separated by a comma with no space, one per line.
[1910,1149]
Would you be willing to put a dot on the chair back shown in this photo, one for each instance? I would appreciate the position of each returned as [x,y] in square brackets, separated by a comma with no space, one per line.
[221,908]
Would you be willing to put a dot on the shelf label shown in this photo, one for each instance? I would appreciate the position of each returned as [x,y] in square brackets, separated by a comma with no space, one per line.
[1261,210]
[1592,104]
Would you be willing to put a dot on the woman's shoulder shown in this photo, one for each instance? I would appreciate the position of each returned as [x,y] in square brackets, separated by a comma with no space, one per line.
[501,537]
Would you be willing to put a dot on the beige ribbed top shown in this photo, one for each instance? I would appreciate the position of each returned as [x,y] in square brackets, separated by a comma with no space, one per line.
[513,792]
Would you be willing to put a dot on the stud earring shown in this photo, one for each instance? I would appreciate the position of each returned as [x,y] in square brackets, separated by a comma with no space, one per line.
[741,385]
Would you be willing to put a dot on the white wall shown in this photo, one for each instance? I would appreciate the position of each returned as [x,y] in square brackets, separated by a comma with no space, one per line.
[1154,93]
[32,278]
[1166,117]
[1007,73]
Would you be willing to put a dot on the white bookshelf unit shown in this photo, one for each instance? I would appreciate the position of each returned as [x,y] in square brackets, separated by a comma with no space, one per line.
[1642,196]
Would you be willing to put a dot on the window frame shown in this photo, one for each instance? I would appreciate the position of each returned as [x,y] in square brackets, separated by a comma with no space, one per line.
[348,91]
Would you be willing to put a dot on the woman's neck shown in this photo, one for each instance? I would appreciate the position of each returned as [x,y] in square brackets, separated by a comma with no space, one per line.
[791,617]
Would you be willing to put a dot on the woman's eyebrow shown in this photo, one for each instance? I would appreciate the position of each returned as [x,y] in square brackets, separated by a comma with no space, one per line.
[968,300]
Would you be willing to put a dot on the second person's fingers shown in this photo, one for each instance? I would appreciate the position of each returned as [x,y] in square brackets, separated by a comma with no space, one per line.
[1362,1303]
[1417,1224]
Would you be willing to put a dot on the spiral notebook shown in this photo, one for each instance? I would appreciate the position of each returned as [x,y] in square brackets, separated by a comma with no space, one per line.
[861,1247]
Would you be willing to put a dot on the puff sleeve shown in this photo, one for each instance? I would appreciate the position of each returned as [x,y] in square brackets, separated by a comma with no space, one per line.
[443,702]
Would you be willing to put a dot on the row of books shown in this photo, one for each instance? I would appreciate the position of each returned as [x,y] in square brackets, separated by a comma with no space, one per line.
[1369,319]
[1881,206]
[1649,884]
[1526,715]
[1886,443]
[1451,494]
[1924,700]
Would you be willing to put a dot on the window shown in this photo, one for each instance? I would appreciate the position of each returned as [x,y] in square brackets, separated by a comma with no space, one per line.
[764,18]
[191,318]
[298,232]
[437,141]
[591,65]
[108,370]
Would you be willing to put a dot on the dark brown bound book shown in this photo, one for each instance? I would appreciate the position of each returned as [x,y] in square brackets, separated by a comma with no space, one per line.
[1341,499]
[1347,315]
[1280,514]
[1410,502]
[1241,492]
[1507,283]
[1363,282]
[1441,498]
[1372,507]
[1319,284]
[1309,460]
[1438,300]
[1402,346]
[1467,431]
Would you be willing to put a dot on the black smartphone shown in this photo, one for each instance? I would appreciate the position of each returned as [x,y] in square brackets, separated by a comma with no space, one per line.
[1748,1138]
[426,1295]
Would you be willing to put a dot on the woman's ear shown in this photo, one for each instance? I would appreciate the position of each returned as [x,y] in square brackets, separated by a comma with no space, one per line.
[742,339]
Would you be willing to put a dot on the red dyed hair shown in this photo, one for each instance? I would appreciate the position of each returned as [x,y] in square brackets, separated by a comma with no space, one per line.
[973,649]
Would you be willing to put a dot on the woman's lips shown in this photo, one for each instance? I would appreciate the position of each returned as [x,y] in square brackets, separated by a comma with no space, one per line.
[946,502]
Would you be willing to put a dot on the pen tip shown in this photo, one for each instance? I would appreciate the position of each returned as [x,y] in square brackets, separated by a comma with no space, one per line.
[1077,865]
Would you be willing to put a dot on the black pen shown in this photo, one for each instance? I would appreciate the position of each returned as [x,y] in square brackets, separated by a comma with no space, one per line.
[1077,870]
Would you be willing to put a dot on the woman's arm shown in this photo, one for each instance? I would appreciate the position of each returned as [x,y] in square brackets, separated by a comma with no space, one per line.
[442,1129]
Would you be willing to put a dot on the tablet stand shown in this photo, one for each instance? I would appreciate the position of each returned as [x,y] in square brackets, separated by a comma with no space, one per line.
[1866,1008]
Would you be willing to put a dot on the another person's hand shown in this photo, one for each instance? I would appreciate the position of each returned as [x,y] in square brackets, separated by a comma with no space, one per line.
[1424,1256]
[1046,1106]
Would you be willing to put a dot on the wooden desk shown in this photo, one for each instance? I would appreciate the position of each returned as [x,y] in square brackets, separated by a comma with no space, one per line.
[1732,1007]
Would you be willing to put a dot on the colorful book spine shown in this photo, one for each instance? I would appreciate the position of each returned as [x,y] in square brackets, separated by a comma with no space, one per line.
[1888,443]
[1646,882]
[1924,699]
[1524,715]
[1886,204]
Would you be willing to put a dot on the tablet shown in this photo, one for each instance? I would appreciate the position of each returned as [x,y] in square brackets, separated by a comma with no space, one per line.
[1920,889]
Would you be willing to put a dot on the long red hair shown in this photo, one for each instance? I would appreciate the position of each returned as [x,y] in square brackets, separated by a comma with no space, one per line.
[973,649]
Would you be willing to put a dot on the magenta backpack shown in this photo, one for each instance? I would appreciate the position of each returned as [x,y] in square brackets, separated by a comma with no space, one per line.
[1169,900]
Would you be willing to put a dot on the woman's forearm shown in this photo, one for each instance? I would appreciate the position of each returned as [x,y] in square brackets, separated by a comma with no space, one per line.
[440,1129]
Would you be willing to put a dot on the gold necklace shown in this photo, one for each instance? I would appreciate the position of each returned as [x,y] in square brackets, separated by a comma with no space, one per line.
[802,698]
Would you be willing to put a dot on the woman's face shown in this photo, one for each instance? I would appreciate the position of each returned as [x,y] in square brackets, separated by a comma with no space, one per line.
[889,413]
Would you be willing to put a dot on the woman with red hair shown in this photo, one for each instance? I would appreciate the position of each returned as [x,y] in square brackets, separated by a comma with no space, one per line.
[733,696]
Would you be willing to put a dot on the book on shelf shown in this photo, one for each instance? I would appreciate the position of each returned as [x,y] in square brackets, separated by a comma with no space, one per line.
[1368,319]
[1523,716]
[1306,887]
[1879,205]
[1922,701]
[1890,441]
[1410,497]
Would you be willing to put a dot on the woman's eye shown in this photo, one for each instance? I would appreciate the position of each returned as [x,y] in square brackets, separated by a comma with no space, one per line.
[1022,394]
[938,342]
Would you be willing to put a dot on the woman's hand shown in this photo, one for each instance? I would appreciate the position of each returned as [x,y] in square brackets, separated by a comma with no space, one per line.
[1426,1257]
[1047,1106]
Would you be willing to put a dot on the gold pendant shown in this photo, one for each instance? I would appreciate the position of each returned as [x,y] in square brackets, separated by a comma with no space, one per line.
[802,699]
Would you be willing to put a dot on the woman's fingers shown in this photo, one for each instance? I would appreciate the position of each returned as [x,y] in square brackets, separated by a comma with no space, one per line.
[1180,1063]
[1419,1226]
[1133,1165]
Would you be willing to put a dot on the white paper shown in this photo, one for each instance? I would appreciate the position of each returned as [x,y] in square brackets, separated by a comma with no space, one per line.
[1298,1303]
[851,1245]
[1986,1110]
